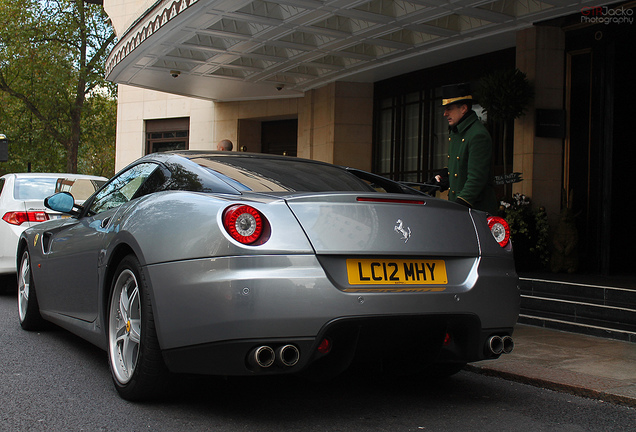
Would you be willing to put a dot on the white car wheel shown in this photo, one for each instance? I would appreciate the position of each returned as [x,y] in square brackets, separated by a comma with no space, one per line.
[135,358]
[125,326]
[28,308]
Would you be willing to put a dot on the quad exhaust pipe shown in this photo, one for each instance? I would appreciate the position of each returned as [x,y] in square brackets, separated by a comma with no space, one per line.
[498,345]
[287,355]
[264,356]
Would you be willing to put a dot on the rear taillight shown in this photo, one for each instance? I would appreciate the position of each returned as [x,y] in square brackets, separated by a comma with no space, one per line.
[499,229]
[246,224]
[18,218]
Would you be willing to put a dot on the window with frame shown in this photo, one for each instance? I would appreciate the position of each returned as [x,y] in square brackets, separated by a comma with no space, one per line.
[410,131]
[403,136]
[167,135]
[412,136]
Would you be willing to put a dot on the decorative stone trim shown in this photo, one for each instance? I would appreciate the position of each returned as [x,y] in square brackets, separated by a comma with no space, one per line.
[146,26]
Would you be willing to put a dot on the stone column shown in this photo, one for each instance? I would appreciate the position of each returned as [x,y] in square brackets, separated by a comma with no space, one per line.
[541,55]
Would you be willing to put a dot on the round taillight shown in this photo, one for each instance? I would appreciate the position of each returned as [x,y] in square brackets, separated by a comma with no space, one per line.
[499,229]
[244,223]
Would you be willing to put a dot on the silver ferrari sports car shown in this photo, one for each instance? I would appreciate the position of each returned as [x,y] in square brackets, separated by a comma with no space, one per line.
[228,263]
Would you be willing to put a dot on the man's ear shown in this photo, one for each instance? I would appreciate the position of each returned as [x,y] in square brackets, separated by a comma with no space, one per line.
[463,108]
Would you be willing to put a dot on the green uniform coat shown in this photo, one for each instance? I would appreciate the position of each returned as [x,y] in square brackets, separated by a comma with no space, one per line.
[469,165]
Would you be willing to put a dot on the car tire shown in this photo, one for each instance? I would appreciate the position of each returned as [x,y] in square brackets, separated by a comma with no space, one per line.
[28,308]
[134,355]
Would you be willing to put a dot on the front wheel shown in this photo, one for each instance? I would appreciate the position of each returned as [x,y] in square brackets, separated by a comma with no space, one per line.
[28,308]
[134,355]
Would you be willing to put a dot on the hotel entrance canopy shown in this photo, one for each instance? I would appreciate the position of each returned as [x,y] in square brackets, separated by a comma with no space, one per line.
[227,50]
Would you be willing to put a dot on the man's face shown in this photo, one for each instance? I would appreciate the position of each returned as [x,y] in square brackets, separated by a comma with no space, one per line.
[454,113]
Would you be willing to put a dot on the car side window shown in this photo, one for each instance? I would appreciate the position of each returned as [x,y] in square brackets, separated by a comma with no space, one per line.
[1,185]
[122,188]
[154,183]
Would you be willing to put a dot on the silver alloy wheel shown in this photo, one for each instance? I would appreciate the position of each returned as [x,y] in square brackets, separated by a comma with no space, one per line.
[124,327]
[24,284]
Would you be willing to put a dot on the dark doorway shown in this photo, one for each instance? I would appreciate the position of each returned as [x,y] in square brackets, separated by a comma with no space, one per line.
[623,154]
[280,137]
[579,163]
[599,152]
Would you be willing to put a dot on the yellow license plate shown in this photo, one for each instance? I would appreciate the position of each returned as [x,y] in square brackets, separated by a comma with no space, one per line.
[396,272]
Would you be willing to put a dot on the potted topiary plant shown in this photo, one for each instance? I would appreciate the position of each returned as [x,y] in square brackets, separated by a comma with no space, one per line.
[504,95]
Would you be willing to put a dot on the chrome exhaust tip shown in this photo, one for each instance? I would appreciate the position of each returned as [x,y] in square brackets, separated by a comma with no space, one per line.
[508,344]
[495,345]
[262,357]
[287,355]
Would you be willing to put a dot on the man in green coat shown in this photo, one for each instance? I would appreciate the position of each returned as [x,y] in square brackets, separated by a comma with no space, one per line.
[469,152]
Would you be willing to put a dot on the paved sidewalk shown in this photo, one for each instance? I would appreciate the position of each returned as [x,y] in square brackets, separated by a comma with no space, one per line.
[587,366]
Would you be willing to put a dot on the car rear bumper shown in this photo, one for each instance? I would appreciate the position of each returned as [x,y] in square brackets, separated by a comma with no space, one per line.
[211,313]
[394,342]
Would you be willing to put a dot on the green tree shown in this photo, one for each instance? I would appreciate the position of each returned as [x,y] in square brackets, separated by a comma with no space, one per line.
[97,149]
[52,56]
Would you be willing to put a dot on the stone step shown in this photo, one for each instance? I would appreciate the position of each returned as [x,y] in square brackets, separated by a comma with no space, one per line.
[581,309]
[595,309]
[597,294]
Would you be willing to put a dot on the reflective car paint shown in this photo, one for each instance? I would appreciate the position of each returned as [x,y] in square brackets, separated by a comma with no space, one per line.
[215,300]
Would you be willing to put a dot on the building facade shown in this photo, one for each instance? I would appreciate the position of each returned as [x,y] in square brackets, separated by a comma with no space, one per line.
[358,84]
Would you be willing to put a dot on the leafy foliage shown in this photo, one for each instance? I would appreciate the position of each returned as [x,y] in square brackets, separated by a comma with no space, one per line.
[97,152]
[52,92]
[505,94]
[528,231]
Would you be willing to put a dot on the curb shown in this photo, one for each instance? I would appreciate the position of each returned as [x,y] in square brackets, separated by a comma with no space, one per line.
[559,387]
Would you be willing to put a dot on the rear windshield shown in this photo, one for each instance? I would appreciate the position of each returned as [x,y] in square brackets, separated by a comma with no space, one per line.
[281,175]
[38,188]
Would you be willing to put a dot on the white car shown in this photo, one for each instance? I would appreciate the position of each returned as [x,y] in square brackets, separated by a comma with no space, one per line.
[22,206]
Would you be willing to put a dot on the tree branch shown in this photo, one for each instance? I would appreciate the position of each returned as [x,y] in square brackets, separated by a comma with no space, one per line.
[4,86]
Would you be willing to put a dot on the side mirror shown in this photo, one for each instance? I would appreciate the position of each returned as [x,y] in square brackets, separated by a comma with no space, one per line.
[62,202]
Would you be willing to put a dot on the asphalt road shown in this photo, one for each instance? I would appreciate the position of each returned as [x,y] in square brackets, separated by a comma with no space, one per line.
[54,381]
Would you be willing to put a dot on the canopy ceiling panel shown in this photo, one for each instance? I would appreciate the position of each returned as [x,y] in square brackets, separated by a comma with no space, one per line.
[253,49]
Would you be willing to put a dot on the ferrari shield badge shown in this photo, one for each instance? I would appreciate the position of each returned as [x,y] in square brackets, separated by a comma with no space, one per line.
[405,232]
[35,240]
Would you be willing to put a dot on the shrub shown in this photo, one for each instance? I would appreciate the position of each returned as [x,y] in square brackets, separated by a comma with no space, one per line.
[528,231]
